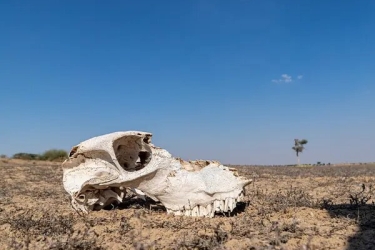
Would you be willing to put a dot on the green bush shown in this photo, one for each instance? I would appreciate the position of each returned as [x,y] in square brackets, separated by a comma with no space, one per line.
[26,156]
[54,155]
[49,155]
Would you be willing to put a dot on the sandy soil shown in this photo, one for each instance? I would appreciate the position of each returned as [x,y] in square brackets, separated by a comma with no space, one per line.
[325,207]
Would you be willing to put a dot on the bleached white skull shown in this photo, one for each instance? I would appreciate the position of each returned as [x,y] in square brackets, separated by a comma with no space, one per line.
[99,171]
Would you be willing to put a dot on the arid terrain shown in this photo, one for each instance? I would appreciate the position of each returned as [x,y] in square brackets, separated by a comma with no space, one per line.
[318,207]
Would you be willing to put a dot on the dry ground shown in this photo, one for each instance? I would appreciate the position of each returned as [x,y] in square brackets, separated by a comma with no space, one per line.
[326,207]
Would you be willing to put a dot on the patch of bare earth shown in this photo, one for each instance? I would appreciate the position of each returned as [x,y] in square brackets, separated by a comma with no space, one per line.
[325,207]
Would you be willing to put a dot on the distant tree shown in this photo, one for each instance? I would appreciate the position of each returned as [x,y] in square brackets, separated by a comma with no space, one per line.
[3,156]
[299,147]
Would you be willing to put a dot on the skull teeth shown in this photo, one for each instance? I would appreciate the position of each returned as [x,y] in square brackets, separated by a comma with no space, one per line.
[226,205]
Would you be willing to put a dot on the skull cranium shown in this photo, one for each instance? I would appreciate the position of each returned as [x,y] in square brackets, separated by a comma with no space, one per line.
[99,171]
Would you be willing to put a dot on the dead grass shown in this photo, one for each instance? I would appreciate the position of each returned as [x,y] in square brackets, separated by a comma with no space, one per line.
[325,207]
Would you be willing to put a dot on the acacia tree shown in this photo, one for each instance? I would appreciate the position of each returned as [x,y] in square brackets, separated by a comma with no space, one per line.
[299,147]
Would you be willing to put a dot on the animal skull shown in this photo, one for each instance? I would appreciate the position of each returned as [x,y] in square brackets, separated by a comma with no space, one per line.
[99,171]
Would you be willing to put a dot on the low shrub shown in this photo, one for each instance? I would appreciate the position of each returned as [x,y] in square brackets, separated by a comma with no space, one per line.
[26,156]
[54,155]
[49,155]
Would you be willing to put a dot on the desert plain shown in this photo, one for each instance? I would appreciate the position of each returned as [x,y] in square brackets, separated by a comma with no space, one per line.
[286,207]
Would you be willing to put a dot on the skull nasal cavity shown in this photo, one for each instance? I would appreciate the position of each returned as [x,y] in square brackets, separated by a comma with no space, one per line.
[143,157]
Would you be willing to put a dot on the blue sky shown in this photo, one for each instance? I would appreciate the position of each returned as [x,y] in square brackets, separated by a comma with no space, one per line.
[210,79]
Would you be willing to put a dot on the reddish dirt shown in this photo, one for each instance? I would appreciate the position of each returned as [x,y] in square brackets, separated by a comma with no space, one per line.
[324,207]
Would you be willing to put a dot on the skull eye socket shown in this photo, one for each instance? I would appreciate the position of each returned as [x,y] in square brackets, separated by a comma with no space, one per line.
[132,153]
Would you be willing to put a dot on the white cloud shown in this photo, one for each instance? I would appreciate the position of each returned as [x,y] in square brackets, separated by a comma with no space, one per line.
[286,78]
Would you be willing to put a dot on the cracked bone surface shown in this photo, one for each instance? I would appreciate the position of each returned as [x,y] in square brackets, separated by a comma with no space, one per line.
[101,169]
